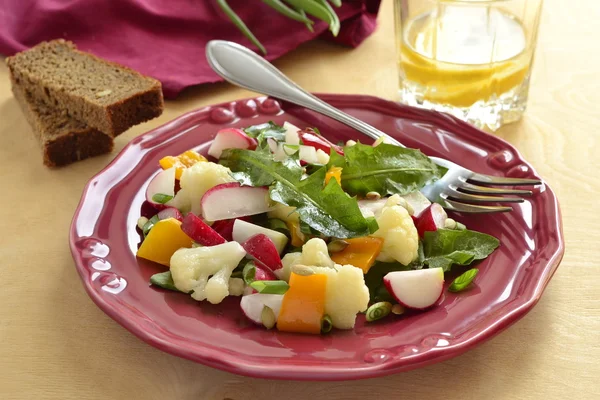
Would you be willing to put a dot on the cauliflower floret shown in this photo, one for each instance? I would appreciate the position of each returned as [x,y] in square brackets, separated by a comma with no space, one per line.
[206,271]
[314,253]
[396,228]
[284,213]
[346,294]
[197,180]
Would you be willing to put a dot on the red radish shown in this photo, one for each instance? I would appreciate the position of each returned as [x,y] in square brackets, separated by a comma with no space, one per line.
[200,232]
[263,250]
[263,273]
[148,210]
[232,200]
[417,201]
[291,134]
[253,304]
[170,212]
[230,138]
[310,138]
[418,289]
[224,227]
[432,219]
[162,184]
[243,231]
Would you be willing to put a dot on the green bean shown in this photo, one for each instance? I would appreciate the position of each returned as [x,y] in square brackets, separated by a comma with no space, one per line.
[283,9]
[240,25]
[303,13]
[317,10]
[335,25]
[337,3]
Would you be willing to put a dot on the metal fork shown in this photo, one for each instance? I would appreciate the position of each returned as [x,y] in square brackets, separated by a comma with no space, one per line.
[242,67]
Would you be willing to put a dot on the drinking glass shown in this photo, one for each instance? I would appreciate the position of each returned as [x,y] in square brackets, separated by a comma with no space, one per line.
[470,58]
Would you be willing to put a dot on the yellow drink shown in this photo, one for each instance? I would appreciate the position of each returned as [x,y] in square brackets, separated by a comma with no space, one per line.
[470,60]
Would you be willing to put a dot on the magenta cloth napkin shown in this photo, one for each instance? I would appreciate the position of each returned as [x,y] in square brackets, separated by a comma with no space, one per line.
[166,38]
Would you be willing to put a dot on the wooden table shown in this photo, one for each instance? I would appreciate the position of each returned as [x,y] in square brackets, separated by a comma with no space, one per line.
[56,344]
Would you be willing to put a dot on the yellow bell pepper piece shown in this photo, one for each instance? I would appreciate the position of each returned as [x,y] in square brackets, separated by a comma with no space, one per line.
[164,239]
[361,252]
[181,162]
[303,304]
[296,234]
[335,173]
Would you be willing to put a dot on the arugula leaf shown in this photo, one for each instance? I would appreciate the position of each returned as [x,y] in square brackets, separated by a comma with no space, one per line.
[386,169]
[265,131]
[446,247]
[328,210]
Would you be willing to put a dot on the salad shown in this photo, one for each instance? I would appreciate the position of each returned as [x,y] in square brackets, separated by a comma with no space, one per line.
[308,233]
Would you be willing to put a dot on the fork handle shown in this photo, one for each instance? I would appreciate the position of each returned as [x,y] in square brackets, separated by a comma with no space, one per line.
[242,67]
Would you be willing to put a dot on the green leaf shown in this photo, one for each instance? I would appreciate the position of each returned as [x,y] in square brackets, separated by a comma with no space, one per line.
[463,281]
[385,169]
[446,247]
[161,198]
[262,132]
[270,287]
[237,21]
[328,210]
[164,280]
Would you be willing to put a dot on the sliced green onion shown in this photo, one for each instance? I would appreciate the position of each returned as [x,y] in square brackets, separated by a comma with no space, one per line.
[164,280]
[398,309]
[463,281]
[460,227]
[249,272]
[283,9]
[378,311]
[326,324]
[270,287]
[141,222]
[237,21]
[267,317]
[148,225]
[161,198]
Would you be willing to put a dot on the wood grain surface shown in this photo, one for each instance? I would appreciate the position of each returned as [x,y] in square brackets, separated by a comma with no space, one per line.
[56,344]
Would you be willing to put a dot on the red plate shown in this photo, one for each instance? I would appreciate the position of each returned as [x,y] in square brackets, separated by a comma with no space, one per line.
[103,241]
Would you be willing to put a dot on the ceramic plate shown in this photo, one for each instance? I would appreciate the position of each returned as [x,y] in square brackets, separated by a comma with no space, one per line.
[103,242]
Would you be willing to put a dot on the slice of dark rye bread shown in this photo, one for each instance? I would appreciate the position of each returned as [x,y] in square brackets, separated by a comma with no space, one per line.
[64,140]
[99,93]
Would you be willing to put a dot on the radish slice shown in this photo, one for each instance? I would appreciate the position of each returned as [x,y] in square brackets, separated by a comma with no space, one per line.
[200,232]
[263,273]
[243,231]
[252,305]
[417,201]
[308,154]
[310,138]
[291,134]
[232,200]
[432,219]
[418,289]
[224,227]
[263,250]
[230,138]
[170,212]
[163,184]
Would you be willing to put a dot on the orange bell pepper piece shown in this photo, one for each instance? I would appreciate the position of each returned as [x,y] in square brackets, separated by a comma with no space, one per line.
[303,304]
[164,239]
[296,234]
[361,252]
[335,173]
[181,162]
